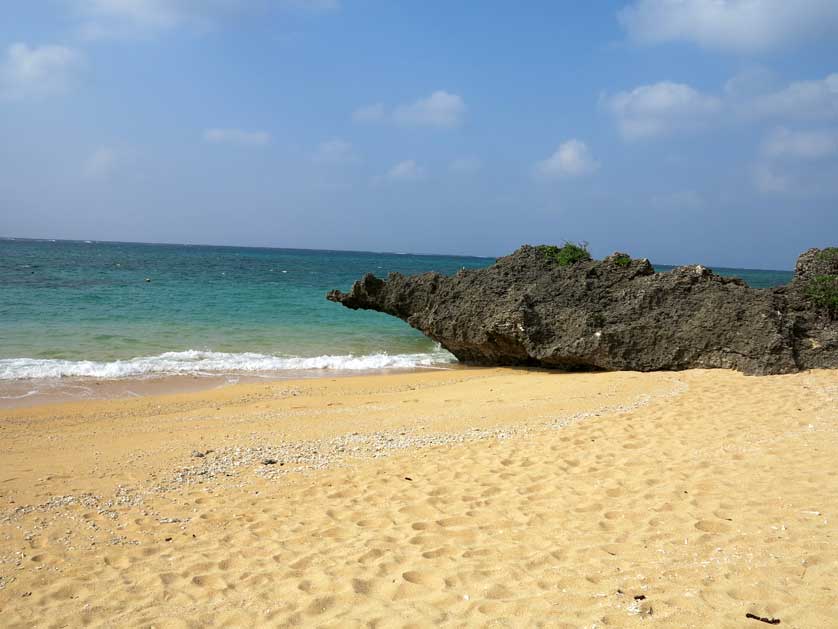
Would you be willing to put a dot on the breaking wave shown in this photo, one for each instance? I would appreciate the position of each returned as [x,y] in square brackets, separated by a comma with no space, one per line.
[194,362]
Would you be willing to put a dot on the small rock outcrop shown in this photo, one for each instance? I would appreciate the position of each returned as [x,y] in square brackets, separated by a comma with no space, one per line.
[616,314]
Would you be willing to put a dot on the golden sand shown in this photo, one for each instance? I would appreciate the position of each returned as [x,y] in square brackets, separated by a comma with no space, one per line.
[496,497]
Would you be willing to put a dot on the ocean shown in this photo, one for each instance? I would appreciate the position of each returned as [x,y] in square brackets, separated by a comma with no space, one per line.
[108,310]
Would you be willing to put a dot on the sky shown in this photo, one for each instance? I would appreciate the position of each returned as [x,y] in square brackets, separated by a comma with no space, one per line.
[684,131]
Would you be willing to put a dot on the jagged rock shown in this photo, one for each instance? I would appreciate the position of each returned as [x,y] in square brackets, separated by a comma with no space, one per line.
[614,314]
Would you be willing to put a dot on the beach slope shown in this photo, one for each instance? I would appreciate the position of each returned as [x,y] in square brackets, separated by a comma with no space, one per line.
[473,497]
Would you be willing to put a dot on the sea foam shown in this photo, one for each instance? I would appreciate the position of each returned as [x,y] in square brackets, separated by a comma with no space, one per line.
[194,362]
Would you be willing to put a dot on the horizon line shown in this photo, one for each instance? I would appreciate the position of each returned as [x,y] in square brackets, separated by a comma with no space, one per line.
[398,253]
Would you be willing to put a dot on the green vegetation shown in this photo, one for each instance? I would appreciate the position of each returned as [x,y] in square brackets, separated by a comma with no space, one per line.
[823,291]
[569,254]
[622,260]
[830,254]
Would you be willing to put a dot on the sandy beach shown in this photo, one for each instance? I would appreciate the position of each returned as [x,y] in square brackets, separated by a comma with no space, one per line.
[377,315]
[472,497]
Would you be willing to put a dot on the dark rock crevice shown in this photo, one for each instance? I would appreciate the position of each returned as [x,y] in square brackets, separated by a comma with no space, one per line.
[614,314]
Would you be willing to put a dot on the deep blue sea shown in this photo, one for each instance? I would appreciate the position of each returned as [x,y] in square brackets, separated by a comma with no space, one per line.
[85,309]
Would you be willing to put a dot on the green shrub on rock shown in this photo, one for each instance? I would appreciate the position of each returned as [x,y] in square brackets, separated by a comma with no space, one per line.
[823,291]
[569,254]
[830,254]
[622,260]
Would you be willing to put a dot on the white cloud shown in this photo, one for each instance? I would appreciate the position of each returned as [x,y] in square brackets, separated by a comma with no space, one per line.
[370,113]
[735,25]
[36,72]
[666,108]
[100,163]
[407,170]
[118,19]
[155,14]
[335,151]
[802,99]
[440,109]
[465,165]
[107,19]
[749,83]
[571,159]
[806,145]
[660,109]
[237,137]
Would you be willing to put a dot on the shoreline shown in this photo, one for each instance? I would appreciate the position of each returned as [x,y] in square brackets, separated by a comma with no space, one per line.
[454,497]
[33,392]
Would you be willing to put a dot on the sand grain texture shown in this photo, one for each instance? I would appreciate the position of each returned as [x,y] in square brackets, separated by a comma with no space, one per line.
[496,497]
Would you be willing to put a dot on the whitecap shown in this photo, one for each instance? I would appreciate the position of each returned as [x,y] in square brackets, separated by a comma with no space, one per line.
[195,362]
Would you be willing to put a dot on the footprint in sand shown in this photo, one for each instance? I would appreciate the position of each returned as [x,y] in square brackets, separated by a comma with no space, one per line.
[209,581]
[427,579]
[499,592]
[711,526]
[454,522]
[442,551]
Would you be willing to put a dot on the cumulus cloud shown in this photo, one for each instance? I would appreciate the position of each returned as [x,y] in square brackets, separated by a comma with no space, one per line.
[571,159]
[734,25]
[666,108]
[237,137]
[407,170]
[440,109]
[749,83]
[465,165]
[335,151]
[104,19]
[100,163]
[39,71]
[660,109]
[110,19]
[802,99]
[806,145]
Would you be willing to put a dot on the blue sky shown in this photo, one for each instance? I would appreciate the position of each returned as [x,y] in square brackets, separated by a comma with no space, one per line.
[679,130]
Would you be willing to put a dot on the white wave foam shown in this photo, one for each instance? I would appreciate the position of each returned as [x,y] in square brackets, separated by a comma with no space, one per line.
[193,362]
[21,396]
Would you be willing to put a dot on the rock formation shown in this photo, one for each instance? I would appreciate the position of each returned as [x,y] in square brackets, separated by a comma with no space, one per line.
[616,314]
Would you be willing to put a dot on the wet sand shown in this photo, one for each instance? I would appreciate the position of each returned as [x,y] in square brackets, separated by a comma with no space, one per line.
[475,497]
[28,393]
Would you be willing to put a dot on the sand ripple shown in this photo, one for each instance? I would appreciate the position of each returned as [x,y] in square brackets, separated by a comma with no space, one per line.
[710,498]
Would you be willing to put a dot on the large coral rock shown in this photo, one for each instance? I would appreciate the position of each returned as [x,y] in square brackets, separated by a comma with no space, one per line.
[615,314]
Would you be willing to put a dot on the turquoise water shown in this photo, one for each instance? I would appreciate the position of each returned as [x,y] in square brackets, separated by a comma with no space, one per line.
[85,309]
